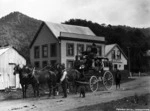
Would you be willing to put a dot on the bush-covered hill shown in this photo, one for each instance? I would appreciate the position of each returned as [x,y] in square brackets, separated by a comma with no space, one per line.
[18,30]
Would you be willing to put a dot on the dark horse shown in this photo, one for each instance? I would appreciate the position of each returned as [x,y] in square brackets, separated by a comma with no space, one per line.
[67,77]
[56,80]
[73,77]
[64,78]
[26,78]
[46,77]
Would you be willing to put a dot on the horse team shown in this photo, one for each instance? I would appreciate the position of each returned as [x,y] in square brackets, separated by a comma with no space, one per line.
[53,76]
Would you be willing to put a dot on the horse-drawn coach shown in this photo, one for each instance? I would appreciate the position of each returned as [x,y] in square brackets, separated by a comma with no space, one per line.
[95,70]
[88,70]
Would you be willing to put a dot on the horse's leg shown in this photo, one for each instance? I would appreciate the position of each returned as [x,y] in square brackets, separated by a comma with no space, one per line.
[54,89]
[68,87]
[119,84]
[64,87]
[76,85]
[22,90]
[37,89]
[26,86]
[57,90]
[34,89]
[116,84]
[50,91]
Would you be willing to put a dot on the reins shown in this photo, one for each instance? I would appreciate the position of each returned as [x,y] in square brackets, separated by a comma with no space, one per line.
[41,69]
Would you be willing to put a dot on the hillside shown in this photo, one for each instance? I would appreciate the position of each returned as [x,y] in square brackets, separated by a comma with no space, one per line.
[18,30]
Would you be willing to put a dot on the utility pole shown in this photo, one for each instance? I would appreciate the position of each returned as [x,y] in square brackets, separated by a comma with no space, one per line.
[129,61]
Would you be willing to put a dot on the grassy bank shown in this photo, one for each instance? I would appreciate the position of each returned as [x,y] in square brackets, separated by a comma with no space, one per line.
[128,103]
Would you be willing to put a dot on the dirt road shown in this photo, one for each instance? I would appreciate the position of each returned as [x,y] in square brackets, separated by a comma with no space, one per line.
[138,86]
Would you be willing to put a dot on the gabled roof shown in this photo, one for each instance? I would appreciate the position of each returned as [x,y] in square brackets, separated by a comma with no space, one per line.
[109,48]
[3,50]
[6,48]
[76,32]
[57,28]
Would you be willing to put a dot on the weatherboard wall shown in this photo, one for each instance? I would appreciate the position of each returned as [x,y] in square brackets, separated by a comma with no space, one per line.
[7,78]
[119,62]
[65,58]
[45,36]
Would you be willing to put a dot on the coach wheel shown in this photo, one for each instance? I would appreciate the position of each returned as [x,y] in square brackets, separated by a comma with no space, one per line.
[108,80]
[93,83]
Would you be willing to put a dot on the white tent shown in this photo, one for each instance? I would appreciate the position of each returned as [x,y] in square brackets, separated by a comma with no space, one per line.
[9,55]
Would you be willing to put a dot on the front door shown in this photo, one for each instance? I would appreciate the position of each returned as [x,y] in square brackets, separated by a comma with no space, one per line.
[12,77]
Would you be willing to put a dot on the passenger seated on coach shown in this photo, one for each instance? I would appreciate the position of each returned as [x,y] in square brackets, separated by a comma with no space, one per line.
[94,50]
[77,63]
[97,64]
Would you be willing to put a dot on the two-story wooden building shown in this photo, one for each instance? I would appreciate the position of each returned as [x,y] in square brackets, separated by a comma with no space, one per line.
[116,55]
[60,43]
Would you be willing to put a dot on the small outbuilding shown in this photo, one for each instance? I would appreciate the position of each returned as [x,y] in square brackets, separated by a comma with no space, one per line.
[8,57]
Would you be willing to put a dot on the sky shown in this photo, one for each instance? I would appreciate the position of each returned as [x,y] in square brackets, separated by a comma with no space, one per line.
[134,13]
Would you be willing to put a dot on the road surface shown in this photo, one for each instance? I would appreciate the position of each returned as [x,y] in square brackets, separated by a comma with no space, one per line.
[138,86]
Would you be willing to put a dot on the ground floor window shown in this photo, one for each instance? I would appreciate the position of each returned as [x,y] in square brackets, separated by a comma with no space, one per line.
[37,64]
[70,64]
[53,62]
[115,66]
[44,64]
[126,67]
[36,52]
[53,50]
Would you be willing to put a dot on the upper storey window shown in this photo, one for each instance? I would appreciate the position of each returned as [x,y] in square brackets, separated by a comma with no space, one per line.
[70,49]
[44,51]
[80,49]
[36,52]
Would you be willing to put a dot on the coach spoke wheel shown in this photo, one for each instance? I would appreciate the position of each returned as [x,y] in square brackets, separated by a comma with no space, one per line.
[108,80]
[93,83]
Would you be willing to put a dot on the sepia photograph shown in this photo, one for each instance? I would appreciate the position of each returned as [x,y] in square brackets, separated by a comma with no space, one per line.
[74,55]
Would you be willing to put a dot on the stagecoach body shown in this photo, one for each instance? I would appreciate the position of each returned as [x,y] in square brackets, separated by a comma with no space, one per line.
[94,76]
